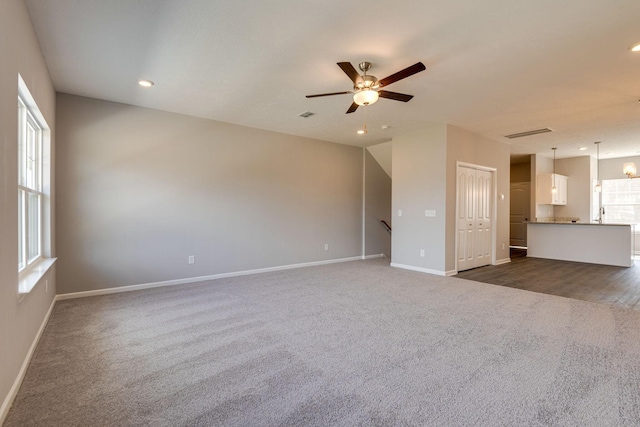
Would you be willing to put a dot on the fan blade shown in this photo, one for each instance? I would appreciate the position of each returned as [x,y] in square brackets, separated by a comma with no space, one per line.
[328,94]
[353,108]
[350,71]
[403,74]
[395,96]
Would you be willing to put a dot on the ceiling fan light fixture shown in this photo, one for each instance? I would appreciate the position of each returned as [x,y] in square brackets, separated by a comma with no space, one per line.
[367,82]
[365,86]
[365,97]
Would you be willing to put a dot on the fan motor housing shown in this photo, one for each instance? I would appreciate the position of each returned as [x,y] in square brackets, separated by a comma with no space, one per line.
[367,82]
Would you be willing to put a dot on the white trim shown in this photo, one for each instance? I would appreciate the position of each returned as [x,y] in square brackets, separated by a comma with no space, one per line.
[375,256]
[130,288]
[502,261]
[30,278]
[474,166]
[494,213]
[13,392]
[420,269]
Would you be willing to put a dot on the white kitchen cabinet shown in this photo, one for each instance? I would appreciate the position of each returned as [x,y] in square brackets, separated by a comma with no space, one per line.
[543,189]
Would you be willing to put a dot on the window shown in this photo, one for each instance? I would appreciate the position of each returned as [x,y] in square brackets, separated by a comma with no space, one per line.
[621,201]
[34,188]
[29,187]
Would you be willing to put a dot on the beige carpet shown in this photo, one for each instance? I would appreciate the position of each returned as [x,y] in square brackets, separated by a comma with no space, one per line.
[349,344]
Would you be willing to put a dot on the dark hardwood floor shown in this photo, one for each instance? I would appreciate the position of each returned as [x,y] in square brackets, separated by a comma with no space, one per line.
[619,286]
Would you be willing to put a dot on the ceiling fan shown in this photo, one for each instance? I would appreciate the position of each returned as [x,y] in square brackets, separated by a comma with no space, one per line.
[366,88]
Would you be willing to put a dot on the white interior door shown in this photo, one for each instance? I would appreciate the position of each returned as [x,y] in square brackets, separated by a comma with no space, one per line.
[474,218]
[484,227]
[465,218]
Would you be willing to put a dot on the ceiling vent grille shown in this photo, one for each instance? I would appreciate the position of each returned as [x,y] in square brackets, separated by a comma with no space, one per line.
[528,133]
[306,114]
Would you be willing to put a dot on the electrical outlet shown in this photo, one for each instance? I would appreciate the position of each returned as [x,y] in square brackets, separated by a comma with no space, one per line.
[326,246]
[503,246]
[192,259]
[429,213]
[422,252]
[399,212]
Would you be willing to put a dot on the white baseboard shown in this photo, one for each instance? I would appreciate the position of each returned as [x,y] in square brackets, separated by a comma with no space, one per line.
[130,288]
[420,269]
[13,392]
[503,261]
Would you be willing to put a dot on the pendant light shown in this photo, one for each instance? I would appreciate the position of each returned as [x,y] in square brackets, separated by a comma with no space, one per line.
[554,190]
[598,187]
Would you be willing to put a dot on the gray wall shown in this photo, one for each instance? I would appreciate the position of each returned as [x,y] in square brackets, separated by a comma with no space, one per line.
[140,190]
[612,168]
[467,147]
[579,188]
[424,178]
[419,183]
[377,207]
[20,318]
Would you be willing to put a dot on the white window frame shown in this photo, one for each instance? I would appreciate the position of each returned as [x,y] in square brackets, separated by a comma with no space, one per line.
[34,180]
[30,135]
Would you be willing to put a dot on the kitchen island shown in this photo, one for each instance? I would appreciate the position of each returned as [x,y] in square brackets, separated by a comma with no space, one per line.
[608,244]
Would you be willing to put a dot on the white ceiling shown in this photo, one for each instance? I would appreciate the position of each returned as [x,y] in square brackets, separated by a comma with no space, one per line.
[494,67]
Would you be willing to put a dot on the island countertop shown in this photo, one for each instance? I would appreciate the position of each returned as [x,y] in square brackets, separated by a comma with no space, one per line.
[591,242]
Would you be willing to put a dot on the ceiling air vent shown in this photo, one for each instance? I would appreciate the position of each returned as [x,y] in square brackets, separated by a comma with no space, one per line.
[306,114]
[528,133]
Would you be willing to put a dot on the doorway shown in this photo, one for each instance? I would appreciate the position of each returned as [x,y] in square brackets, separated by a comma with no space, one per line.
[475,207]
[519,211]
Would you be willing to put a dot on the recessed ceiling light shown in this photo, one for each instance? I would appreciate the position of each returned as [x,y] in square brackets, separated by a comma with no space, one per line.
[145,83]
[635,48]
[361,132]
[582,148]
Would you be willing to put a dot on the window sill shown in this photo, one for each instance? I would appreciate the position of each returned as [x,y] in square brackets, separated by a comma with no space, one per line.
[29,280]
